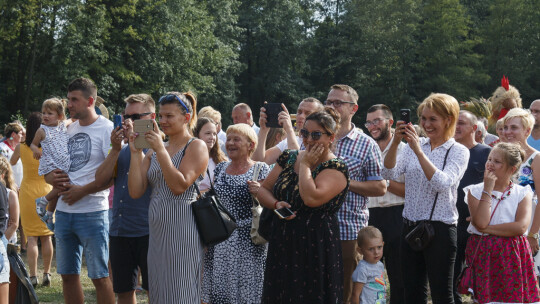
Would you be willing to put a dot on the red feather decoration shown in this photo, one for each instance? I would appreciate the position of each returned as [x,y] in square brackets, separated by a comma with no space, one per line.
[505,83]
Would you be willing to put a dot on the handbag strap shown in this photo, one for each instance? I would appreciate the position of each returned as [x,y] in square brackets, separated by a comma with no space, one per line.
[490,218]
[437,195]
[256,170]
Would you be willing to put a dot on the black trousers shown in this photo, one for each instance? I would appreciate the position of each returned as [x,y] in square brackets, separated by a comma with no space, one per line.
[389,221]
[462,237]
[434,264]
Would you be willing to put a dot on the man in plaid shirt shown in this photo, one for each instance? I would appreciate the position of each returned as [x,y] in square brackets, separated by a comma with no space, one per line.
[363,158]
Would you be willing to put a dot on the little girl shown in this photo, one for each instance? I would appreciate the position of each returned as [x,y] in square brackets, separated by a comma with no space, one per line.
[53,139]
[498,251]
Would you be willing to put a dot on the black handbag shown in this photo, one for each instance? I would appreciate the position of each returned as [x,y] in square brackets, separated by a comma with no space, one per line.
[420,237]
[214,222]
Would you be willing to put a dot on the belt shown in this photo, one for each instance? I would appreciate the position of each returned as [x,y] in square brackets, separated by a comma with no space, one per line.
[410,223]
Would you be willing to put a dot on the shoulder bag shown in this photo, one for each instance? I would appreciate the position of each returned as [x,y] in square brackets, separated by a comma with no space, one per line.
[214,222]
[256,210]
[420,237]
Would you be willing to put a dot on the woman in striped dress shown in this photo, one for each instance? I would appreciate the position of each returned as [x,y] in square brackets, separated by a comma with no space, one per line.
[175,250]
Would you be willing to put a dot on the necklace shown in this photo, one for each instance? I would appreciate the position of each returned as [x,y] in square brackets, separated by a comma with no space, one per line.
[505,194]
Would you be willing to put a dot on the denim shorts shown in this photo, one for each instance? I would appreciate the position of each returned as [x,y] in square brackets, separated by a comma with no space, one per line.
[4,264]
[76,232]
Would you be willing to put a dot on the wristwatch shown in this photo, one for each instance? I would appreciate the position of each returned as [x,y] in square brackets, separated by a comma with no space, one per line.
[534,235]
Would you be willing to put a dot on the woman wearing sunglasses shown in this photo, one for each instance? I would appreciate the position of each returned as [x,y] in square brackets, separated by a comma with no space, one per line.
[433,167]
[304,261]
[175,250]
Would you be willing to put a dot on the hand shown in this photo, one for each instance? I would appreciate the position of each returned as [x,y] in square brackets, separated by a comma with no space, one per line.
[400,128]
[37,154]
[282,204]
[72,194]
[57,178]
[153,137]
[489,181]
[117,137]
[253,187]
[313,155]
[284,119]
[131,136]
[263,119]
[534,245]
[411,137]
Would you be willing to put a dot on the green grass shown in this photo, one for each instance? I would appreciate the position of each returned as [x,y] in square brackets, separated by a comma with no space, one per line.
[53,294]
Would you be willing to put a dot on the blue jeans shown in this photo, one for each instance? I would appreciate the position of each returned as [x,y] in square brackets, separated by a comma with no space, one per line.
[4,262]
[76,232]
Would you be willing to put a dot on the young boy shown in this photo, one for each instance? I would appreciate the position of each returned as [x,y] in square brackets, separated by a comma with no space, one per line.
[369,286]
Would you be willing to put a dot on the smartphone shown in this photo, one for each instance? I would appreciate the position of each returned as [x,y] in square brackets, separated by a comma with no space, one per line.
[283,212]
[117,120]
[405,115]
[142,126]
[272,112]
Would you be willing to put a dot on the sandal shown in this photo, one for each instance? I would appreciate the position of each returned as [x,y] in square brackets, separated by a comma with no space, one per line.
[34,281]
[46,280]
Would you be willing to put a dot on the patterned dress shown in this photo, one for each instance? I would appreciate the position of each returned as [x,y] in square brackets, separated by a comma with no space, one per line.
[55,149]
[304,263]
[526,178]
[175,250]
[234,269]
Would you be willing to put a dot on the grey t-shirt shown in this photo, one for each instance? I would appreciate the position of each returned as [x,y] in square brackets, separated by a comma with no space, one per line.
[372,275]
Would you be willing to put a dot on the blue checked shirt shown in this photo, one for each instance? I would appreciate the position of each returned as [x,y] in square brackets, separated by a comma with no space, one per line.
[364,160]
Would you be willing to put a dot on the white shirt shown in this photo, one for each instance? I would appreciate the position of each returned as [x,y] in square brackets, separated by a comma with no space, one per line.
[283,145]
[6,151]
[205,183]
[88,148]
[506,212]
[419,192]
[389,199]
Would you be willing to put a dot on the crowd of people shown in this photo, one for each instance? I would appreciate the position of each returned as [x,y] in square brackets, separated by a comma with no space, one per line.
[444,203]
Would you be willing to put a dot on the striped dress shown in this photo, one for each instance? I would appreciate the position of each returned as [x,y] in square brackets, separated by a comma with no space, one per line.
[175,250]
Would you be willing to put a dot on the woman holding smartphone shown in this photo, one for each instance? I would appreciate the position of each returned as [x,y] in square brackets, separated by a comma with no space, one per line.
[304,261]
[433,167]
[175,250]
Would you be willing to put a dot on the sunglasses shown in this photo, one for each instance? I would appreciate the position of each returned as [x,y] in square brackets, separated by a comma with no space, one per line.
[135,116]
[170,97]
[337,103]
[314,135]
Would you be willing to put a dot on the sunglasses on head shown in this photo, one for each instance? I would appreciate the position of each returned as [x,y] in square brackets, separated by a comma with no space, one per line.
[170,97]
[314,135]
[135,116]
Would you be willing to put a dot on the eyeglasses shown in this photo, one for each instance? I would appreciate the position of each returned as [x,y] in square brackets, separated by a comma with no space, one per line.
[135,116]
[375,122]
[337,103]
[314,135]
[170,97]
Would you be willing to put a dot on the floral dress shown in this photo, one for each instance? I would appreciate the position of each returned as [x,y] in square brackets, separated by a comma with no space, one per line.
[304,263]
[526,178]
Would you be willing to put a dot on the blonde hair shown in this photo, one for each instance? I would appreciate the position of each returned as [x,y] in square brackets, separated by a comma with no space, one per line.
[5,168]
[514,155]
[145,99]
[368,233]
[210,112]
[347,89]
[12,127]
[499,123]
[57,105]
[444,105]
[190,101]
[527,120]
[247,131]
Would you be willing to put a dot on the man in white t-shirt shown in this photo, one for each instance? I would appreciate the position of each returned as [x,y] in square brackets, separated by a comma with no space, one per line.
[270,156]
[82,222]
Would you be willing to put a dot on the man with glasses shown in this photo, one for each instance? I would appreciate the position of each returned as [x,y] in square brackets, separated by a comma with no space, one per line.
[363,158]
[385,212]
[129,228]
[534,139]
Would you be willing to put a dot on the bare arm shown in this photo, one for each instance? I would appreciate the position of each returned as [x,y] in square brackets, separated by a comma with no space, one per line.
[396,188]
[38,138]
[356,292]
[13,221]
[519,226]
[265,194]
[16,155]
[105,172]
[368,188]
[535,226]
[391,156]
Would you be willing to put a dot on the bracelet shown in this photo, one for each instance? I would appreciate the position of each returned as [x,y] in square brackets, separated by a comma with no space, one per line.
[275,204]
[485,192]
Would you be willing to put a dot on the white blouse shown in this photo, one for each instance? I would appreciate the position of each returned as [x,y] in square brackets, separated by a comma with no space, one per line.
[420,192]
[205,183]
[506,212]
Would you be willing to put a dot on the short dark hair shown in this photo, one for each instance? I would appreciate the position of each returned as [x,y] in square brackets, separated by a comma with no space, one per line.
[85,85]
[384,108]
